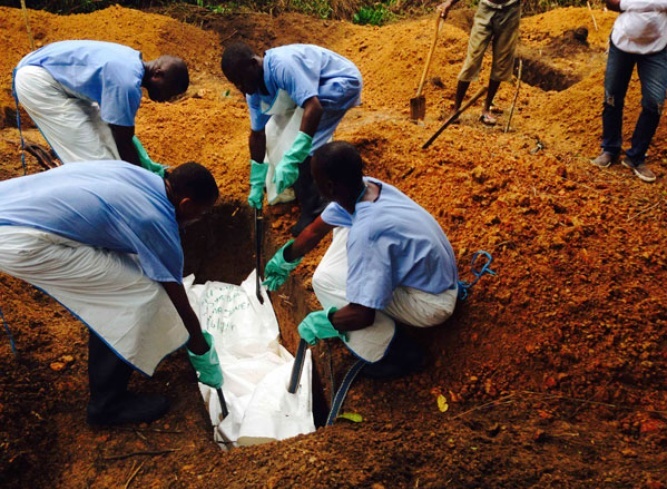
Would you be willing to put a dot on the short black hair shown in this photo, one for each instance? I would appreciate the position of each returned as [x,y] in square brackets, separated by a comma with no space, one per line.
[340,162]
[194,181]
[233,55]
[176,72]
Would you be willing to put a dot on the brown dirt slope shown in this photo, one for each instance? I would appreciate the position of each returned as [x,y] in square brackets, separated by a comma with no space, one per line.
[554,369]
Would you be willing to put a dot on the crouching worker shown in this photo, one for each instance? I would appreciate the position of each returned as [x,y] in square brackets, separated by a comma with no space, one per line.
[389,266]
[323,83]
[84,96]
[103,240]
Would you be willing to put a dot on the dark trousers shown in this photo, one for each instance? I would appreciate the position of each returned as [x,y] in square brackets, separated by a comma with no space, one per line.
[108,375]
[652,71]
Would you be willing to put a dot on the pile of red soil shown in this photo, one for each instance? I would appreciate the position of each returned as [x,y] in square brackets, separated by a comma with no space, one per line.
[554,369]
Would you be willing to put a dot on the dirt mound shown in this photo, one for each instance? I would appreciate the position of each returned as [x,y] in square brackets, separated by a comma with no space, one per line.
[554,369]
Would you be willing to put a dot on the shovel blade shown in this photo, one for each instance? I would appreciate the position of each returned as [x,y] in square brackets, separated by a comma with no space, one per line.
[417,108]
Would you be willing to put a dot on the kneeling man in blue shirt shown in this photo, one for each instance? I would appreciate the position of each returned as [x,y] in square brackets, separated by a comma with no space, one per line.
[389,266]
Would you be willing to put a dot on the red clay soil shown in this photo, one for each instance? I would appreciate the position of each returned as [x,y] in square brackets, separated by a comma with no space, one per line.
[554,370]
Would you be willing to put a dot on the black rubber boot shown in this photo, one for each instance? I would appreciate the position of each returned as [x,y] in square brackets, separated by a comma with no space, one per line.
[110,402]
[311,202]
[404,357]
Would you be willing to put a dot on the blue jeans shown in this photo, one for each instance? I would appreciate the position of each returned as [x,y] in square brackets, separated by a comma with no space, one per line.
[652,71]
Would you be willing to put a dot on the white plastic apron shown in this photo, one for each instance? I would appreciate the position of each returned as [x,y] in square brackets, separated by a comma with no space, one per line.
[409,306]
[281,130]
[107,290]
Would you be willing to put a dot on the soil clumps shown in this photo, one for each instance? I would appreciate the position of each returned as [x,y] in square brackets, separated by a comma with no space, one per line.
[554,370]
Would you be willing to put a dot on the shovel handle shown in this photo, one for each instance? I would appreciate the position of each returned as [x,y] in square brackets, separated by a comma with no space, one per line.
[258,254]
[223,404]
[430,55]
[474,98]
[297,369]
[516,96]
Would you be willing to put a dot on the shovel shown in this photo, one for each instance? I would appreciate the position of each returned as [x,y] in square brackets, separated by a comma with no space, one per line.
[418,103]
[516,96]
[455,115]
[223,404]
[297,368]
[258,255]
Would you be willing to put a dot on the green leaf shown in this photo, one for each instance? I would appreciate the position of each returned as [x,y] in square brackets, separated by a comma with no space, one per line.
[354,417]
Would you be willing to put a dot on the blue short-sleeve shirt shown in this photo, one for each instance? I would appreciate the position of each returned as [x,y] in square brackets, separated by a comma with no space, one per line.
[107,204]
[103,72]
[305,71]
[393,242]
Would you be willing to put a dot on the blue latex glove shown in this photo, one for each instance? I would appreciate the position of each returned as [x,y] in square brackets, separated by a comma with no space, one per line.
[257,180]
[145,160]
[277,270]
[316,326]
[207,365]
[287,170]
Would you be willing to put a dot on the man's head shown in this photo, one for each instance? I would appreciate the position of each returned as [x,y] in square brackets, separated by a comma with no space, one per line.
[242,67]
[165,78]
[337,169]
[192,190]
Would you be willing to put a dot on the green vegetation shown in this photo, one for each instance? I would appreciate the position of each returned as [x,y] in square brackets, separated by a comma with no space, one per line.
[376,14]
[316,8]
[372,12]
[218,8]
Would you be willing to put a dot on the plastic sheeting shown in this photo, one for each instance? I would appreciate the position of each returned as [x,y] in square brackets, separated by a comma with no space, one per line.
[256,367]
[281,130]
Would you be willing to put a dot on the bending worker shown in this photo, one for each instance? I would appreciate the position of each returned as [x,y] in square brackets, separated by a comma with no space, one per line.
[389,266]
[103,240]
[496,22]
[84,96]
[324,84]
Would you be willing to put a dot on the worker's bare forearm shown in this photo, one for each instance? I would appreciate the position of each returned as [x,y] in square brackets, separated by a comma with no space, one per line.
[309,238]
[352,317]
[123,136]
[257,144]
[176,292]
[312,114]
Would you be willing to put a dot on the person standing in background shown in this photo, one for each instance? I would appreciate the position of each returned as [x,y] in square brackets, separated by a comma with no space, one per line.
[496,22]
[638,38]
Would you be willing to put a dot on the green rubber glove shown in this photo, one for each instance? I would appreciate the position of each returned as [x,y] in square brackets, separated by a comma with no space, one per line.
[257,180]
[145,160]
[287,170]
[316,326]
[207,365]
[277,270]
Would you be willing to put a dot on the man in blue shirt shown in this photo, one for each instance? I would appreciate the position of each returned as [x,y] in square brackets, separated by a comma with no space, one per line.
[84,95]
[389,266]
[103,240]
[323,83]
